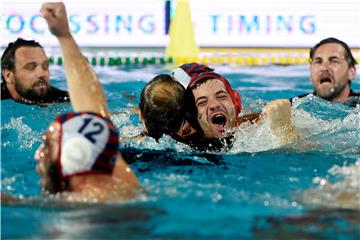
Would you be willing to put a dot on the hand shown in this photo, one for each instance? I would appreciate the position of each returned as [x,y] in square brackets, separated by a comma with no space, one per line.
[55,16]
[278,115]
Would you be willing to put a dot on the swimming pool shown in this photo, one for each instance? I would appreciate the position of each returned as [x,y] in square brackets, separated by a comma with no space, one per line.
[252,191]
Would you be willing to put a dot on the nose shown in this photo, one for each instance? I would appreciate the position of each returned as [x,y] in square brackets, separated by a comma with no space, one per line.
[42,72]
[213,104]
[324,66]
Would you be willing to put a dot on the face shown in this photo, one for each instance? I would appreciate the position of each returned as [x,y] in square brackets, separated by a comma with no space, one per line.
[31,73]
[46,156]
[216,111]
[330,73]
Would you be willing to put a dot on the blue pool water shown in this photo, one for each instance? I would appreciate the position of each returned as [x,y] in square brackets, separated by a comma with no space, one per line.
[254,191]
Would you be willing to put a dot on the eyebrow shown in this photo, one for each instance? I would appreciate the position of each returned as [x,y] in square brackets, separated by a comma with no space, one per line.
[221,91]
[200,98]
[216,94]
[331,57]
[30,63]
[334,57]
[35,62]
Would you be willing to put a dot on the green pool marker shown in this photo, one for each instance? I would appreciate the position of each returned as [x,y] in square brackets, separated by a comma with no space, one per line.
[93,61]
[60,61]
[102,61]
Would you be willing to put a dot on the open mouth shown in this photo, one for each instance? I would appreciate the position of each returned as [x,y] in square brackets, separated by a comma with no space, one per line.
[325,80]
[219,119]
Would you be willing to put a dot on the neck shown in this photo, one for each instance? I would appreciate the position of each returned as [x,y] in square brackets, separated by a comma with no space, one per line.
[90,188]
[13,93]
[121,185]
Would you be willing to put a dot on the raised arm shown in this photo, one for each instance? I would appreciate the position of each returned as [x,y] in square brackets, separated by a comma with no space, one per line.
[85,90]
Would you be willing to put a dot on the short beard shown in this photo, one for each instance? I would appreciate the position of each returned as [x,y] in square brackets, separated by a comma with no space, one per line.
[334,93]
[31,94]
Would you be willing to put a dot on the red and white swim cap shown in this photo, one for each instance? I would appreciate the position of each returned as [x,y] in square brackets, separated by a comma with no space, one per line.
[88,144]
[185,72]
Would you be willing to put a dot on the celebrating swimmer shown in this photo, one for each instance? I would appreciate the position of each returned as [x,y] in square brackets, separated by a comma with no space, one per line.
[79,156]
[215,108]
[79,160]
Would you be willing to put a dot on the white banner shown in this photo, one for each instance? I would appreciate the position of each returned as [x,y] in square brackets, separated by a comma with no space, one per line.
[217,23]
[120,23]
[275,23]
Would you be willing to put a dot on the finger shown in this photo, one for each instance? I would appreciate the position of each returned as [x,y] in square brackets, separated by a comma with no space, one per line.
[46,9]
[59,9]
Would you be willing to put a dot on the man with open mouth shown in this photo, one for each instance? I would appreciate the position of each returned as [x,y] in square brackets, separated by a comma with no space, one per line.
[217,104]
[332,69]
[215,109]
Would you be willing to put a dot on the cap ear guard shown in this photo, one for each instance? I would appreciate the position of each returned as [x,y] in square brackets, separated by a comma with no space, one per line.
[181,76]
[76,155]
[185,72]
[88,144]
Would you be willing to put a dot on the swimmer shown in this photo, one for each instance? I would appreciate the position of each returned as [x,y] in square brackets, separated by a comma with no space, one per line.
[332,68]
[162,103]
[79,160]
[215,108]
[25,75]
[162,108]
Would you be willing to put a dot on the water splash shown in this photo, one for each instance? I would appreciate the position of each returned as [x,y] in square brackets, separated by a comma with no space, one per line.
[26,137]
[254,138]
[340,194]
[327,126]
[321,125]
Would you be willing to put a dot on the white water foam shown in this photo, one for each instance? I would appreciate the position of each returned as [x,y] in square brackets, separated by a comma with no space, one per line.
[344,193]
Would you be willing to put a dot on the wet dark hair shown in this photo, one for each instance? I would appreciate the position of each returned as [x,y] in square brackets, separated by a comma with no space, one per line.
[348,55]
[8,57]
[55,184]
[192,115]
[162,105]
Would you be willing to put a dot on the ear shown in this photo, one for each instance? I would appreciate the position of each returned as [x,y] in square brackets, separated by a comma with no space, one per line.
[8,76]
[352,73]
